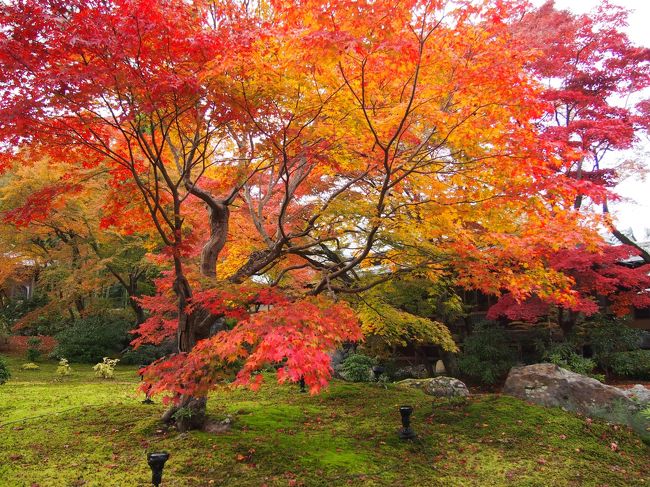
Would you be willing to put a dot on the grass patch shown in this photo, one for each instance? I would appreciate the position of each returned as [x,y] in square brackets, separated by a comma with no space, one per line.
[85,431]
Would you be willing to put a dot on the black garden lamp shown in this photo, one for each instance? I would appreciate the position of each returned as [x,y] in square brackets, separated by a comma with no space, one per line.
[377,370]
[406,433]
[302,384]
[157,462]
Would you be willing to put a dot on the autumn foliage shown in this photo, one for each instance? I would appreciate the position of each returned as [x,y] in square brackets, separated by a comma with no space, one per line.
[289,154]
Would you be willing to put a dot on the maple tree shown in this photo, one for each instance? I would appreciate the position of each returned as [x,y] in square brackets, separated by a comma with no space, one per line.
[601,282]
[595,79]
[56,225]
[592,72]
[321,149]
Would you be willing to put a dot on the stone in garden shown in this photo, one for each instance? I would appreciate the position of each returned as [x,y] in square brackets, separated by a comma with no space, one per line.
[218,427]
[440,368]
[638,393]
[411,372]
[550,385]
[438,386]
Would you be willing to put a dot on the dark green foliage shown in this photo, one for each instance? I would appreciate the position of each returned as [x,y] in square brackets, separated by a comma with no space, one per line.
[564,355]
[4,332]
[34,351]
[48,324]
[93,338]
[357,367]
[634,364]
[145,354]
[608,337]
[486,356]
[410,310]
[17,308]
[4,371]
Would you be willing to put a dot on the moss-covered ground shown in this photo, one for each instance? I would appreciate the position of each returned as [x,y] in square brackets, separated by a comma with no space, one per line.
[83,431]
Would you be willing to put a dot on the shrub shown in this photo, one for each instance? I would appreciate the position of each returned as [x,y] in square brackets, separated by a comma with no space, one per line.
[634,364]
[106,368]
[146,354]
[34,350]
[357,368]
[486,355]
[4,371]
[64,368]
[609,336]
[564,355]
[92,338]
[30,366]
[4,333]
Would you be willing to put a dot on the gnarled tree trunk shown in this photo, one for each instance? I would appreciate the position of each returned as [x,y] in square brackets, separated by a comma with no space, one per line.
[190,412]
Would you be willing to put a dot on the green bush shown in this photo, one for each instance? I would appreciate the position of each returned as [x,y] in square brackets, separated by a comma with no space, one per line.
[93,338]
[486,354]
[146,354]
[634,364]
[33,350]
[4,371]
[564,355]
[357,368]
[608,337]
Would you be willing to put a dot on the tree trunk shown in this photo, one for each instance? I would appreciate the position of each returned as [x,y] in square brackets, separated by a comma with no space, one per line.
[140,316]
[621,237]
[566,320]
[188,414]
[219,215]
[132,292]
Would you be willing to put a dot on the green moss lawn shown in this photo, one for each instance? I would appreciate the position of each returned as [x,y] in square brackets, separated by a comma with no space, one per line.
[83,431]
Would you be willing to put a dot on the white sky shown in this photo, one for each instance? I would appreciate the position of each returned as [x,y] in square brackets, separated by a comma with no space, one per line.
[635,210]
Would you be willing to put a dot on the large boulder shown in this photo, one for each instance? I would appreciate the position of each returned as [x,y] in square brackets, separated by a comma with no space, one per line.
[437,386]
[550,385]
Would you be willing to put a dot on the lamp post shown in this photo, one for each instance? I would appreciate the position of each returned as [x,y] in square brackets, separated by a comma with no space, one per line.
[406,433]
[157,462]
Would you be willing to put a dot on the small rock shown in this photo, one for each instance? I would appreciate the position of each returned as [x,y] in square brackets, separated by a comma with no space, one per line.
[438,386]
[218,427]
[638,393]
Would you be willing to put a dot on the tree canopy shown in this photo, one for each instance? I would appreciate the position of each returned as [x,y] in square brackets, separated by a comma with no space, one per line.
[289,154]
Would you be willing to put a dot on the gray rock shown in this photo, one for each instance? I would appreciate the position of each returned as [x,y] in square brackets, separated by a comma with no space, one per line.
[638,393]
[218,427]
[437,386]
[550,385]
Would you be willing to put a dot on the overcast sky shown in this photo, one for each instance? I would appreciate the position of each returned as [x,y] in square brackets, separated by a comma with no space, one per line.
[635,211]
